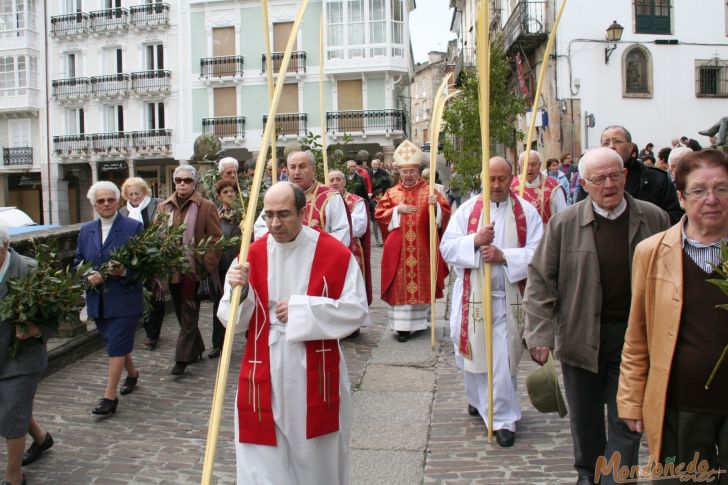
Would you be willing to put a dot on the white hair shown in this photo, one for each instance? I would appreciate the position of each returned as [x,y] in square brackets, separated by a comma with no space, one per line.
[597,155]
[338,173]
[677,153]
[523,155]
[4,236]
[102,185]
[309,155]
[226,161]
[186,168]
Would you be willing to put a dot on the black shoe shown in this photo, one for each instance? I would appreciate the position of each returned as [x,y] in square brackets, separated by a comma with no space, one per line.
[35,450]
[402,336]
[214,354]
[505,438]
[129,385]
[150,343]
[473,411]
[354,334]
[179,368]
[585,479]
[106,406]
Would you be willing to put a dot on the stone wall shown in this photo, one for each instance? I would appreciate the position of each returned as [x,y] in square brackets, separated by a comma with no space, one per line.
[66,237]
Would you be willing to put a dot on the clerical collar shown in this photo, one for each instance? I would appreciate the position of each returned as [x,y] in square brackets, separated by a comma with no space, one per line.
[613,213]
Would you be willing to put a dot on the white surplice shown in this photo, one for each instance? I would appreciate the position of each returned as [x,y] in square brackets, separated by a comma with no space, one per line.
[337,223]
[458,249]
[295,459]
[359,218]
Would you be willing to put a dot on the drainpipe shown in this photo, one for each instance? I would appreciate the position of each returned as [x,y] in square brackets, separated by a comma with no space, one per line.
[48,117]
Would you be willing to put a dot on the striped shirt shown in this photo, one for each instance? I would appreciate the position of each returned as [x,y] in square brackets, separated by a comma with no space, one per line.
[706,256]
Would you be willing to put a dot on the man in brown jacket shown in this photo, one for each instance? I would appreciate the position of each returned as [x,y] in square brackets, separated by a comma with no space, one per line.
[186,206]
[577,302]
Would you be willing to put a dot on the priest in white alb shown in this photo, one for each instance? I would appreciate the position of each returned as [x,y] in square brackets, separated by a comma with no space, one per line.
[507,243]
[302,291]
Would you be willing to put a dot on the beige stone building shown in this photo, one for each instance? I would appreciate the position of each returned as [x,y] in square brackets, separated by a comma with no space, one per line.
[428,76]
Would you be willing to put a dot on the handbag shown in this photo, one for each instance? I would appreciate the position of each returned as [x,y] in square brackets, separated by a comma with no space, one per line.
[208,289]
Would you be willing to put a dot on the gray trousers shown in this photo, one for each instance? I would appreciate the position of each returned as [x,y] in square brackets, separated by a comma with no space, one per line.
[685,433]
[720,129]
[586,394]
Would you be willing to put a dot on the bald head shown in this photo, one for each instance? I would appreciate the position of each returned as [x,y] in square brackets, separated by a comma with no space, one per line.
[501,173]
[283,211]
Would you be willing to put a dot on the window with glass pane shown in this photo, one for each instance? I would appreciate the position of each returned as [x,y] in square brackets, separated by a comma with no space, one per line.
[33,74]
[652,16]
[377,26]
[22,74]
[335,29]
[7,76]
[397,28]
[355,24]
[7,15]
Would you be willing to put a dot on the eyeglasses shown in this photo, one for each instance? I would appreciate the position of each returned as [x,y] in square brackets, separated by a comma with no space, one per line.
[187,180]
[281,216]
[702,193]
[614,177]
[613,141]
[109,200]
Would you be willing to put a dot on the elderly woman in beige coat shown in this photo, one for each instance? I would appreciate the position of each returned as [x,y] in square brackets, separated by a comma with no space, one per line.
[676,333]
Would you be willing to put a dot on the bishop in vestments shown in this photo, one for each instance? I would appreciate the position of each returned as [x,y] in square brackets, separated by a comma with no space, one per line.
[302,292]
[507,243]
[403,217]
[325,208]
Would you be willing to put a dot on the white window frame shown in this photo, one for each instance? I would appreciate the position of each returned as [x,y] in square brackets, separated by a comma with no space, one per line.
[155,115]
[19,133]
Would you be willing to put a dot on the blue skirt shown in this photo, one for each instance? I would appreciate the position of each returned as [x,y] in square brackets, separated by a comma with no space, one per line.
[118,334]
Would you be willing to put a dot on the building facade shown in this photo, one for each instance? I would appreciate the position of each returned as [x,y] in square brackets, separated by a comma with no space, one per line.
[23,140]
[666,77]
[428,77]
[114,98]
[366,75]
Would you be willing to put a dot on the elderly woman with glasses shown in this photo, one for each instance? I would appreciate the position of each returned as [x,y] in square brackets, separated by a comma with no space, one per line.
[199,216]
[141,206]
[676,332]
[114,301]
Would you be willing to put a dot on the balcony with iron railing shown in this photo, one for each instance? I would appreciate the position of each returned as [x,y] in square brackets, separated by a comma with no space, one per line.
[69,25]
[152,141]
[149,15]
[526,27]
[71,145]
[17,156]
[221,67]
[151,83]
[295,124]
[145,142]
[225,126]
[108,143]
[71,89]
[108,21]
[384,121]
[297,64]
[111,85]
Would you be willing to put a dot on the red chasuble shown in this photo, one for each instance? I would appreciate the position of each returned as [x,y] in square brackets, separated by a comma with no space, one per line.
[254,403]
[406,260]
[316,200]
[473,220]
[539,197]
[361,246]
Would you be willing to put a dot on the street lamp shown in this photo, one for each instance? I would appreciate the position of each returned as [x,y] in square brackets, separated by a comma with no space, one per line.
[614,34]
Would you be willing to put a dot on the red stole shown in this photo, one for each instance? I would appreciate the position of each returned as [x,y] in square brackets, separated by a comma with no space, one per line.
[254,403]
[539,197]
[361,246]
[473,220]
[316,204]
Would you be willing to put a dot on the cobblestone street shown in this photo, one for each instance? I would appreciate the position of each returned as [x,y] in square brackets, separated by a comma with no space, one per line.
[410,420]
